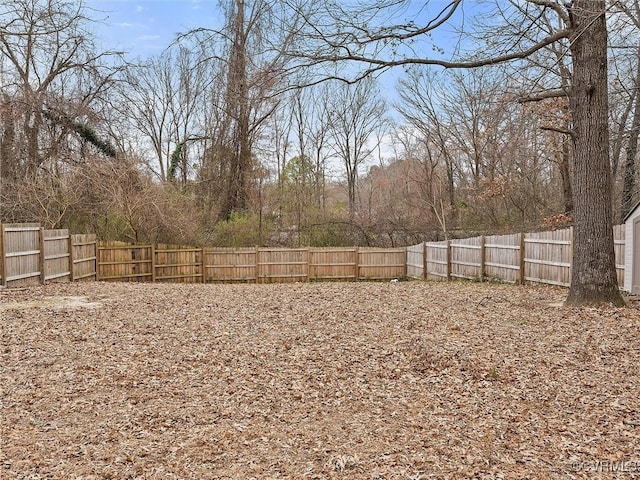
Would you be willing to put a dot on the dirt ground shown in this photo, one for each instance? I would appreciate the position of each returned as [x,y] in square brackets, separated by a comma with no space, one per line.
[407,380]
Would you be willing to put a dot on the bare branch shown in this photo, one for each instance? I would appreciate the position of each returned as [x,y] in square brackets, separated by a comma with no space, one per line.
[539,96]
[555,6]
[564,131]
[378,64]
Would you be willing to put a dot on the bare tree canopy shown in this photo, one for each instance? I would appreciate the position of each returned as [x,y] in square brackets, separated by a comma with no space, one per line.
[333,33]
[362,37]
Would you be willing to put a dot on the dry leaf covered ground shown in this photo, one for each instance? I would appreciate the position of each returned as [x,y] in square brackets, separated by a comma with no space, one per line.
[407,380]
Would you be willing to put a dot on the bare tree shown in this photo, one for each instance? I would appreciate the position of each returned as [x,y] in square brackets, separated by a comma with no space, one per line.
[421,108]
[357,112]
[488,146]
[164,99]
[312,117]
[55,88]
[625,107]
[250,47]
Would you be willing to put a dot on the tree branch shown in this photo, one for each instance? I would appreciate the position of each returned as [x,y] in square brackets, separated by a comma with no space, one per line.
[379,64]
[553,6]
[564,131]
[539,96]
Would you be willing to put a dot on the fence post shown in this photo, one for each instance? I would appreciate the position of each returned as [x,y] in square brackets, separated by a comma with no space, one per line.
[203,277]
[448,260]
[3,256]
[70,243]
[571,254]
[406,257]
[257,262]
[357,263]
[308,264]
[96,247]
[153,263]
[522,257]
[42,255]
[424,260]
[483,255]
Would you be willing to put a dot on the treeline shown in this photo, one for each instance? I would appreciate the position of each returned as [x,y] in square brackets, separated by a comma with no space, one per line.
[226,138]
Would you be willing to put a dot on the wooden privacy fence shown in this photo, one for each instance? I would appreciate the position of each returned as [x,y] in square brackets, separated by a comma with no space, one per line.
[155,263]
[31,255]
[543,257]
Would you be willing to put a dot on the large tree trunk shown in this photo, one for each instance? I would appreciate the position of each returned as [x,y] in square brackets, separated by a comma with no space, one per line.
[8,159]
[565,174]
[593,278]
[240,161]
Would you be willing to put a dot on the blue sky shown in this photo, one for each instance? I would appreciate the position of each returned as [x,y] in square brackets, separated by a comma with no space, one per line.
[146,27]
